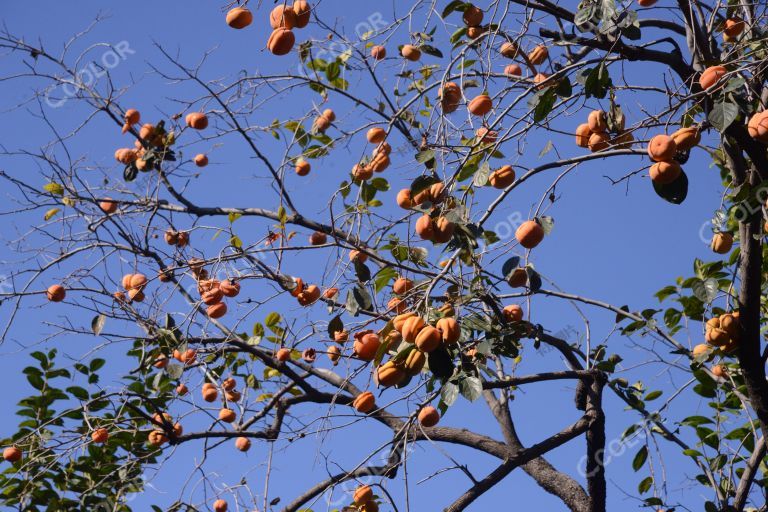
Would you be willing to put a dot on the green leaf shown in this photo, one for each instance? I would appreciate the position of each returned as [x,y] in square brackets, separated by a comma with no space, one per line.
[705,290]
[431,50]
[335,325]
[645,485]
[449,393]
[383,278]
[97,324]
[425,156]
[471,388]
[723,114]
[54,188]
[640,457]
[272,320]
[543,101]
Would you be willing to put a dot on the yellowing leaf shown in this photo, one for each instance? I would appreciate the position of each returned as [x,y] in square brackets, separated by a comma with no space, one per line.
[54,188]
[50,213]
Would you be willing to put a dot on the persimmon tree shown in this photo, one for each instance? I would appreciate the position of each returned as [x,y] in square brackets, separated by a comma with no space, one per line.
[231,336]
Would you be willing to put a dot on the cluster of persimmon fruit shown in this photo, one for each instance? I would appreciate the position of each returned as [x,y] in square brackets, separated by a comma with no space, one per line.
[134,285]
[379,160]
[595,133]
[664,150]
[364,500]
[283,19]
[721,332]
[213,291]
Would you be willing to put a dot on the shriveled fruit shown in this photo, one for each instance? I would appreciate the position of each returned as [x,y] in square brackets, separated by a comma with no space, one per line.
[662,148]
[340,336]
[412,327]
[541,81]
[197,120]
[719,370]
[364,403]
[233,396]
[518,278]
[215,311]
[582,135]
[283,355]
[429,417]
[318,238]
[449,330]
[473,16]
[378,52]
[303,12]
[402,285]
[302,167]
[282,16]
[502,178]
[390,374]
[136,295]
[366,345]
[212,297]
[687,138]
[475,32]
[397,305]
[239,17]
[243,444]
[363,494]
[597,121]
[55,293]
[529,234]
[734,26]
[330,293]
[228,384]
[362,172]
[229,288]
[710,76]
[512,313]
[410,52]
[126,155]
[480,105]
[281,41]
[182,389]
[161,361]
[157,438]
[376,135]
[132,117]
[428,339]
[309,355]
[100,436]
[227,415]
[414,362]
[665,172]
[722,242]
[700,350]
[12,454]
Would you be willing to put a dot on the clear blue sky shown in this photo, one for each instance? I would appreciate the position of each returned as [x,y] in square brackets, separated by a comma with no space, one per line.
[611,243]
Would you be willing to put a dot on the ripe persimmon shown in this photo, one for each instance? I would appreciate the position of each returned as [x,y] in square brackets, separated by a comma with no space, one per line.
[182,389]
[513,70]
[502,178]
[410,52]
[376,135]
[220,506]
[378,52]
[512,313]
[229,288]
[758,126]
[302,167]
[161,361]
[390,374]
[598,141]
[318,238]
[414,362]
[722,242]
[425,228]
[412,327]
[480,105]
[428,339]
[364,402]
[366,345]
[363,494]
[239,17]
[719,370]
[157,438]
[281,41]
[582,135]
[126,155]
[509,50]
[397,305]
[399,321]
[687,138]
[132,117]
[243,444]
[538,55]
[486,136]
[197,120]
[201,160]
[303,12]
[309,296]
[710,76]
[12,454]
[529,234]
[662,148]
[227,415]
[283,355]
[215,311]
[233,396]
[734,27]
[518,278]
[404,199]
[212,297]
[700,350]
[443,230]
[597,121]
[329,114]
[402,285]
[100,436]
[282,16]
[379,163]
[429,417]
[108,206]
[334,354]
[449,330]
[321,124]
[665,172]
[55,293]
